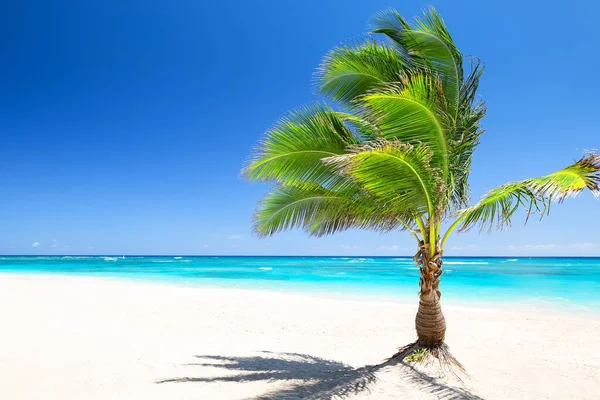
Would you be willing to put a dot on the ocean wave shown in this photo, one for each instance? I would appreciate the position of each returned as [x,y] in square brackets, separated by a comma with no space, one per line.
[466,262]
[265,268]
[513,259]
[178,258]
[77,257]
[110,258]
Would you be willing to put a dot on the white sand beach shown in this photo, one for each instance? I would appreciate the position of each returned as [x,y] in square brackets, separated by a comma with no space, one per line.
[94,338]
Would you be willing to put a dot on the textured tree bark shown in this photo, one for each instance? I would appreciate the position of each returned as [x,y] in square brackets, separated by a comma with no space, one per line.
[430,322]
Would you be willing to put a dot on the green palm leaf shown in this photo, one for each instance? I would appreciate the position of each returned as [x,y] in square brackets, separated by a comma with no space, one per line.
[534,194]
[292,151]
[395,173]
[465,138]
[364,129]
[320,211]
[430,46]
[350,72]
[411,113]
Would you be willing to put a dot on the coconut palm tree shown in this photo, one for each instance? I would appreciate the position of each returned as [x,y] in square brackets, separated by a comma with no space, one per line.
[395,153]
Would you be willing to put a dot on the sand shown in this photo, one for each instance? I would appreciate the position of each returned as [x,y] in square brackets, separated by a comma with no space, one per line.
[94,338]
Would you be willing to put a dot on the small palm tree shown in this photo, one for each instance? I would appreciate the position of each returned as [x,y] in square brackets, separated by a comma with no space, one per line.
[395,153]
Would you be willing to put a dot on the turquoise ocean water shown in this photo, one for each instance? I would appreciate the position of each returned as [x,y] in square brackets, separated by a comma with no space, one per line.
[565,282]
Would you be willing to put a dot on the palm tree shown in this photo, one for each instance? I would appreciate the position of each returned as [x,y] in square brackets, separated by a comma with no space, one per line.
[395,153]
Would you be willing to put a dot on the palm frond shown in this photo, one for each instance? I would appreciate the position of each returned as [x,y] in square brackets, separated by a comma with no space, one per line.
[351,71]
[430,47]
[364,129]
[465,138]
[390,23]
[534,194]
[395,173]
[412,114]
[291,152]
[570,181]
[320,211]
[499,205]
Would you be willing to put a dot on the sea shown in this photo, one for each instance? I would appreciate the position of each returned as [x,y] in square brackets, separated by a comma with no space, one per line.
[567,282]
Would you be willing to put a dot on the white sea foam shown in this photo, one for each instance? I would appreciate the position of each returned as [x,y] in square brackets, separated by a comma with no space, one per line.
[76,257]
[513,259]
[110,258]
[265,268]
[178,258]
[466,262]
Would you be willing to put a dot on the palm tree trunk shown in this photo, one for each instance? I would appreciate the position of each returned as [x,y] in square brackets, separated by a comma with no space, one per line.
[430,322]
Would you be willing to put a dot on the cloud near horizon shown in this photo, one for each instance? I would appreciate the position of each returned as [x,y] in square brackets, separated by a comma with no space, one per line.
[471,246]
[586,245]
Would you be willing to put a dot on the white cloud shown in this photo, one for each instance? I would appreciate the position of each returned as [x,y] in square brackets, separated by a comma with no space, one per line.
[205,246]
[540,246]
[55,243]
[348,247]
[67,247]
[583,245]
[463,247]
[388,248]
[552,246]
[235,237]
[35,244]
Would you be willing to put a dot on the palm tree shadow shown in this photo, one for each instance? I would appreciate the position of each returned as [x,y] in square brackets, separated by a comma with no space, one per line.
[314,378]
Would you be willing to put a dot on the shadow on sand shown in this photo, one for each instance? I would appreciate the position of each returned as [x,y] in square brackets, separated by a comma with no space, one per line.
[315,378]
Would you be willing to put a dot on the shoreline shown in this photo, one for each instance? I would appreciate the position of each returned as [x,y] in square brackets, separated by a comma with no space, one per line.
[406,300]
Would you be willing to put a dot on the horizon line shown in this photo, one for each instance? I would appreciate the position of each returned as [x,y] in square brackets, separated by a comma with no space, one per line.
[265,255]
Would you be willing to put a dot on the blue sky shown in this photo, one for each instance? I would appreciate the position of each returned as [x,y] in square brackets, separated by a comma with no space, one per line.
[125,123]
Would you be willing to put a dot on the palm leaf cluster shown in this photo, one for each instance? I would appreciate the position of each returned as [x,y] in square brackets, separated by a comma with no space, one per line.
[394,150]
